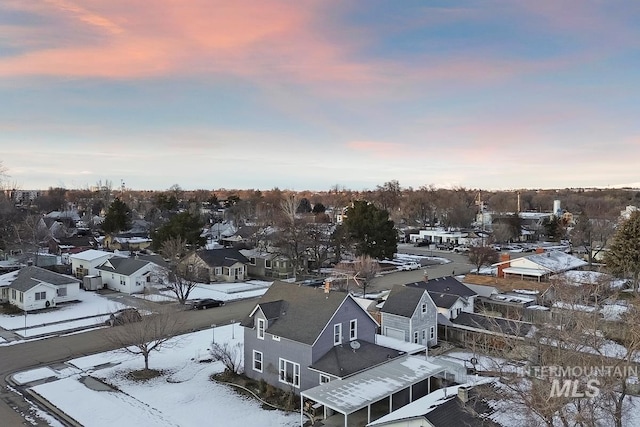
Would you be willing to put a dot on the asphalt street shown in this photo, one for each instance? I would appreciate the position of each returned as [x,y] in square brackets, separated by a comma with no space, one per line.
[15,411]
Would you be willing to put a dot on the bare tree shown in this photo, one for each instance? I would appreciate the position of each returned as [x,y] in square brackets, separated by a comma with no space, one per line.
[181,279]
[230,355]
[154,332]
[481,256]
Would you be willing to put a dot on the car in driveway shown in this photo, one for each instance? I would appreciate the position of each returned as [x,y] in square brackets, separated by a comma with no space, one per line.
[207,303]
[124,316]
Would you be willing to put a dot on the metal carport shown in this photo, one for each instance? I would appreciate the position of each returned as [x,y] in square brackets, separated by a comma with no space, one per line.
[361,390]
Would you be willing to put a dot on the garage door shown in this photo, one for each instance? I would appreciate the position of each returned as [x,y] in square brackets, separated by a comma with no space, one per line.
[394,333]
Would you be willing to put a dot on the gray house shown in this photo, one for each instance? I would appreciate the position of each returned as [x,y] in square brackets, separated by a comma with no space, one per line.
[409,314]
[298,337]
[450,286]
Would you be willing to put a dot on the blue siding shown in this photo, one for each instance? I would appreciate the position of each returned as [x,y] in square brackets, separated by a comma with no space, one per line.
[349,310]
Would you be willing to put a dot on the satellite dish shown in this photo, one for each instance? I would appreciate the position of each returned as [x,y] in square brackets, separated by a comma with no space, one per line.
[354,345]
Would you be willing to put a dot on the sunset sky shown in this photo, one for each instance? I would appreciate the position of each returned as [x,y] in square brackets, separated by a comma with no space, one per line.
[303,95]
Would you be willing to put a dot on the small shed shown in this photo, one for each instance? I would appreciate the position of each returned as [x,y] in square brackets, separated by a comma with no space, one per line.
[92,283]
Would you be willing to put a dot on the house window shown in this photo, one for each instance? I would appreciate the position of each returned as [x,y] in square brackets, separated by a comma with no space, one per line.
[353,329]
[41,295]
[432,333]
[257,360]
[21,296]
[62,291]
[217,271]
[424,335]
[424,308]
[261,328]
[267,263]
[337,334]
[324,378]
[415,337]
[252,261]
[13,294]
[289,373]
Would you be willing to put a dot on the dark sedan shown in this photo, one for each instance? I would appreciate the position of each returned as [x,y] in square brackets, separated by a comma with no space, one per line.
[207,303]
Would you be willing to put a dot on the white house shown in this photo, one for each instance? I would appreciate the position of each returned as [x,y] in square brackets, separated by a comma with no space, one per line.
[127,275]
[35,288]
[85,263]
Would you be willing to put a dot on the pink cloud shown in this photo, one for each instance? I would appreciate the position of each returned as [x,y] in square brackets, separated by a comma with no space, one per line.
[122,39]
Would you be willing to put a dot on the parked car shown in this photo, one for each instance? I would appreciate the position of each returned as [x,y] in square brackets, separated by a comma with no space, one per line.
[421,243]
[461,249]
[207,303]
[124,316]
[444,246]
[313,282]
[409,266]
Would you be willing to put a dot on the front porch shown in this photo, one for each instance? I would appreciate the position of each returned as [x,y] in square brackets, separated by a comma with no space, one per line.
[369,395]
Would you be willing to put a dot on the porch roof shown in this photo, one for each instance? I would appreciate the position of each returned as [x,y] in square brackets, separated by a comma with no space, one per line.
[351,394]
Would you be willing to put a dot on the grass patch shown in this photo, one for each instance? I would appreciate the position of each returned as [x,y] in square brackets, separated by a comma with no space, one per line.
[144,374]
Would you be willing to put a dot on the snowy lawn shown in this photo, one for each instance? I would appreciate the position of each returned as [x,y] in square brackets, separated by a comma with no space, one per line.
[183,396]
[90,304]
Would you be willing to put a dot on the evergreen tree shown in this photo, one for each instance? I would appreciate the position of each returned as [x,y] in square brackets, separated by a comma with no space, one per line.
[118,217]
[623,257]
[185,225]
[371,231]
[304,206]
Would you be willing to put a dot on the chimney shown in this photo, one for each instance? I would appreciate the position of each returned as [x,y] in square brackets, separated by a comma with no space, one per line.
[539,250]
[463,394]
[504,257]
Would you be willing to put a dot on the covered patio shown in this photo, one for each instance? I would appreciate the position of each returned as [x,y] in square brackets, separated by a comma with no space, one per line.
[400,381]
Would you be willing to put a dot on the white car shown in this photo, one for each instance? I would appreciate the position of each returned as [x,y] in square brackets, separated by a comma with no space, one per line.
[409,266]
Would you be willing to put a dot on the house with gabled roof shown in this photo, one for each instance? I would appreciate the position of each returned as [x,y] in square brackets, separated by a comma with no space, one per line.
[298,337]
[539,266]
[409,314]
[126,275]
[215,265]
[449,286]
[265,264]
[85,263]
[35,288]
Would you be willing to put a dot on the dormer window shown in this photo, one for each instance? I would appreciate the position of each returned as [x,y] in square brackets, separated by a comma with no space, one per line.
[261,327]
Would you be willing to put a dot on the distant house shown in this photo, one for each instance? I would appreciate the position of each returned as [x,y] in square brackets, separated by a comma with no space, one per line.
[126,275]
[409,314]
[267,265]
[85,263]
[35,288]
[213,265]
[73,244]
[298,337]
[127,241]
[539,266]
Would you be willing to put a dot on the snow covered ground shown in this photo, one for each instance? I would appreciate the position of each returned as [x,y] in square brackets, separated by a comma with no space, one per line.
[93,309]
[183,396]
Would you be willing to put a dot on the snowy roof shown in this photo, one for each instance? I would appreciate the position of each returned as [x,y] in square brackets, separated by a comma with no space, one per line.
[90,255]
[358,391]
[32,276]
[578,278]
[424,405]
[556,261]
[400,345]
